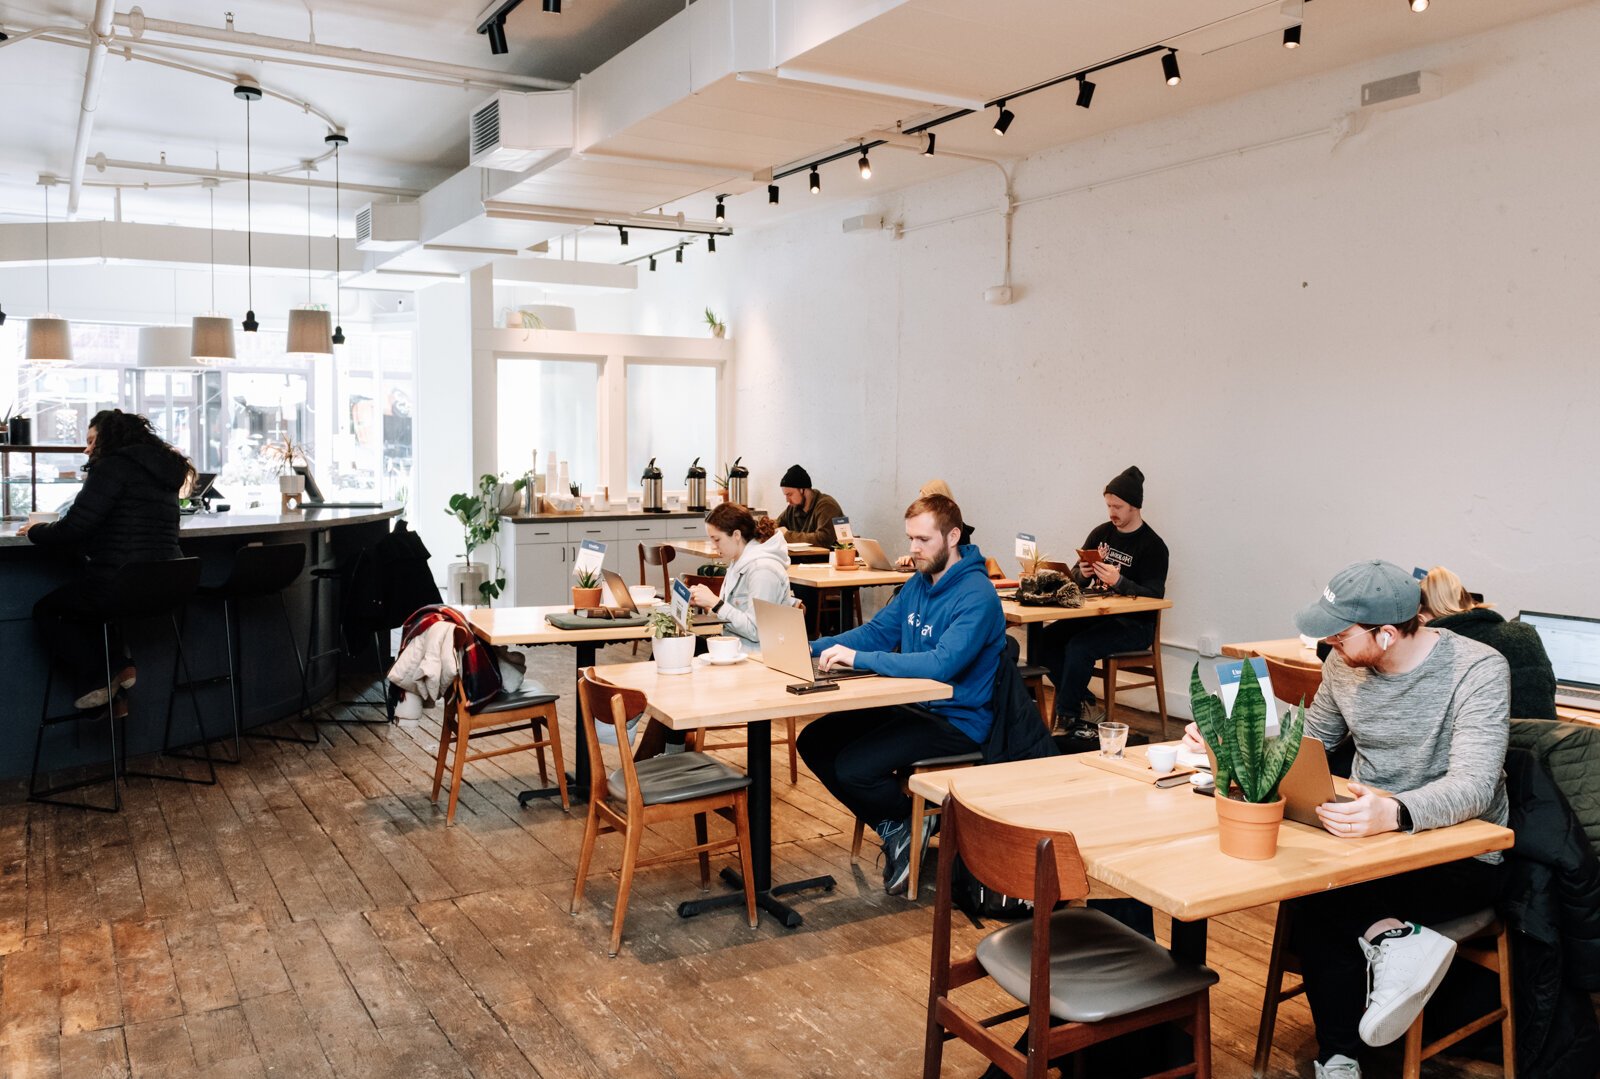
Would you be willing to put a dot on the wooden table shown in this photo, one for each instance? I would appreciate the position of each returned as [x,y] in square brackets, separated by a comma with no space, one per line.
[805,553]
[748,694]
[1035,618]
[1284,650]
[823,578]
[1159,845]
[526,626]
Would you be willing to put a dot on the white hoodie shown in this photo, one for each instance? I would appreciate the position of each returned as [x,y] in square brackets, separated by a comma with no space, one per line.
[760,572]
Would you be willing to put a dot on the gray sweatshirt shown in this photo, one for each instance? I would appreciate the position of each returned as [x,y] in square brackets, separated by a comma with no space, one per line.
[760,572]
[1434,737]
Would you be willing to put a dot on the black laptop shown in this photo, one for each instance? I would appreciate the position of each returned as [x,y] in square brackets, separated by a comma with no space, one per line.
[315,501]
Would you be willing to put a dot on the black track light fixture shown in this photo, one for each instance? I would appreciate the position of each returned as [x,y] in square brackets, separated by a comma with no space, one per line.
[652,264]
[816,181]
[553,6]
[1169,67]
[772,194]
[622,234]
[711,244]
[1291,36]
[864,165]
[2,309]
[722,213]
[679,257]
[927,150]
[1419,6]
[1004,120]
[1085,92]
[496,31]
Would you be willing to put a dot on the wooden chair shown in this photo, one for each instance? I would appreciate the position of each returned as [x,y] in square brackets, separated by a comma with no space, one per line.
[1082,976]
[528,709]
[1293,683]
[1145,662]
[668,787]
[921,812]
[1044,694]
[658,554]
[1480,938]
[713,583]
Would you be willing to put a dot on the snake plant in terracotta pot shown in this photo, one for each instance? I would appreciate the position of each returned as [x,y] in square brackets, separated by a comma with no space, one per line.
[1249,765]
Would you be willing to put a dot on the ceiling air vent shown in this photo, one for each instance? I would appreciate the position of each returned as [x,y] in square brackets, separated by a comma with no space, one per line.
[515,132]
[388,226]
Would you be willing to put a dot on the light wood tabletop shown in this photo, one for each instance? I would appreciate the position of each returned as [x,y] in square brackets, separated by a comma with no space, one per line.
[1284,650]
[746,692]
[1093,607]
[825,576]
[1159,845]
[526,625]
[705,549]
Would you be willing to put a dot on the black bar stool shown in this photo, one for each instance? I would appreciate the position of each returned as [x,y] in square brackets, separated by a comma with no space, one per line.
[259,571]
[138,590]
[332,579]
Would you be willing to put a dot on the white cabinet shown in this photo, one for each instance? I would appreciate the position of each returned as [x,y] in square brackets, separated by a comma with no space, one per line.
[538,556]
[690,528]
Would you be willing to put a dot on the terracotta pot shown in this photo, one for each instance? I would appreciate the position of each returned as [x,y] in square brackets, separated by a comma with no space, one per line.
[585,597]
[844,558]
[1248,830]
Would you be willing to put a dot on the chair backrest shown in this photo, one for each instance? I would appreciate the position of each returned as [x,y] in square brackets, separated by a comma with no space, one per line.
[140,589]
[601,702]
[713,583]
[265,569]
[1011,858]
[658,554]
[1293,683]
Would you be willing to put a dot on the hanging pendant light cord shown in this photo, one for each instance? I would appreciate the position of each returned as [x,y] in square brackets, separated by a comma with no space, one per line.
[338,292]
[308,234]
[249,217]
[47,248]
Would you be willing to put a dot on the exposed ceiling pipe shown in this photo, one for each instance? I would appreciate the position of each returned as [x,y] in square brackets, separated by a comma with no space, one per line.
[18,36]
[101,162]
[100,31]
[138,25]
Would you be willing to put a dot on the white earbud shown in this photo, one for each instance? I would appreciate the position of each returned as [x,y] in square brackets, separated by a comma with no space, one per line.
[1383,640]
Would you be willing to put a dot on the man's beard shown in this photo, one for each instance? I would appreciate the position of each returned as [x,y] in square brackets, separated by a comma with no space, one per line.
[936,564]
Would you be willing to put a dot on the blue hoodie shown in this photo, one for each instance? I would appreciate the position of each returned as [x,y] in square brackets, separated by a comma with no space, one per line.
[951,632]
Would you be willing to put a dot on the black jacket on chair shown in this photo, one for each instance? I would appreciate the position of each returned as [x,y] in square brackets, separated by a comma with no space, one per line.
[1016,734]
[126,512]
[1552,904]
[386,583]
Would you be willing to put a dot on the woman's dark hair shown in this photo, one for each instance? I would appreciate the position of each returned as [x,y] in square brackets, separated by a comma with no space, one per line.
[730,517]
[115,429]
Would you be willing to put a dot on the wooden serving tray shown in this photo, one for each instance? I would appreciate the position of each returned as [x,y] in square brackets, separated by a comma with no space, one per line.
[1134,763]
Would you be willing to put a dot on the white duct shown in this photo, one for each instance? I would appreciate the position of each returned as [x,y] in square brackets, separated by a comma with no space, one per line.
[100,31]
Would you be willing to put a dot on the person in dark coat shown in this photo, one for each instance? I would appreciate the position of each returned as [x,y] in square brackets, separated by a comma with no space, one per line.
[1446,604]
[126,512]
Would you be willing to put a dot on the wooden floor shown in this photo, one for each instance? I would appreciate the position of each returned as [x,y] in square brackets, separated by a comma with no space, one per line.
[312,915]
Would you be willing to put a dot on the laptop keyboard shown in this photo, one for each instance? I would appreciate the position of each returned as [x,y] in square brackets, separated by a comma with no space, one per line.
[840,675]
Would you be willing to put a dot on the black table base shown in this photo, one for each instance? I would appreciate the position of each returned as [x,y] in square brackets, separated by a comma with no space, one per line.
[577,785]
[766,900]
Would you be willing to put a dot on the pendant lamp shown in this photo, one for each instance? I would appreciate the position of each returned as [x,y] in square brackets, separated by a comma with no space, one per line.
[248,92]
[211,334]
[337,139]
[310,331]
[166,346]
[49,337]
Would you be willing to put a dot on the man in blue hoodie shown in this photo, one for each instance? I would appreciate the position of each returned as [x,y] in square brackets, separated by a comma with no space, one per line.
[945,624]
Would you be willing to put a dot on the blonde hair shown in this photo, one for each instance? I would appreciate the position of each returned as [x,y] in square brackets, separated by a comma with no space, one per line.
[935,487]
[1444,594]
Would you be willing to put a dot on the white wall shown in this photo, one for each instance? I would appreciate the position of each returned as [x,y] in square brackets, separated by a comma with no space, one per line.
[1317,351]
[443,429]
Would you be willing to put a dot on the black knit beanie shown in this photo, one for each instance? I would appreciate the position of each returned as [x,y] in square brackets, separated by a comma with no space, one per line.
[796,477]
[1128,485]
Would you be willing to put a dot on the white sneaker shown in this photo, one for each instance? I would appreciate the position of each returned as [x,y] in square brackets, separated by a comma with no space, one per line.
[1338,1066]
[1402,973]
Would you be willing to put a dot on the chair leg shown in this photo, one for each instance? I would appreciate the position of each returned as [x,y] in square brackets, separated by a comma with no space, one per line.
[1202,1035]
[457,765]
[1273,991]
[1108,689]
[855,843]
[741,828]
[544,776]
[700,838]
[630,856]
[918,823]
[1411,1066]
[591,829]
[1161,689]
[446,731]
[552,731]
[1508,1034]
[794,755]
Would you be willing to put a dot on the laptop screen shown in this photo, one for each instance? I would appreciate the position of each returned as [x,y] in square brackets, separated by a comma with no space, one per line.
[1573,644]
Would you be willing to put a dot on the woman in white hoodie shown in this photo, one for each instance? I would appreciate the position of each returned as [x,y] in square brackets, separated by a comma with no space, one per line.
[758,568]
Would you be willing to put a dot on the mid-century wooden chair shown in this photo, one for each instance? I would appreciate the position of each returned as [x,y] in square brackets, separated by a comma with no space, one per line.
[1145,661]
[658,554]
[667,787]
[527,709]
[1082,976]
[1293,683]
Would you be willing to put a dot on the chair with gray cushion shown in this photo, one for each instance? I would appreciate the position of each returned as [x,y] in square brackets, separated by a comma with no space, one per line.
[1082,977]
[529,708]
[662,788]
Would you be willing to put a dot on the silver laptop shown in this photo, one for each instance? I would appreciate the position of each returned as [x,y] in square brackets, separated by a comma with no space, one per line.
[1573,644]
[871,552]
[785,647]
[623,600]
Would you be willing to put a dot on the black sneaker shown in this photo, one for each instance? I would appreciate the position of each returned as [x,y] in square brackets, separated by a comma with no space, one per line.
[896,836]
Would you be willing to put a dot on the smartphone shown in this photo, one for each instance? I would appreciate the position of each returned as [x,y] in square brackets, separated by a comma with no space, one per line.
[802,688]
[1089,554]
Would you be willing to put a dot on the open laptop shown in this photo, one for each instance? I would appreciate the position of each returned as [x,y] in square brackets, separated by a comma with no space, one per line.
[315,501]
[785,647]
[1309,784]
[871,552]
[623,600]
[201,491]
[1573,644]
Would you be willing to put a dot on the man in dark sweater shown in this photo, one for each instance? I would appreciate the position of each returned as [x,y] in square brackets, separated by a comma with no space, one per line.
[1133,562]
[808,517]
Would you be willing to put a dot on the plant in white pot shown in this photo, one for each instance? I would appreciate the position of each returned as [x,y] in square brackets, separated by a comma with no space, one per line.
[671,642]
[718,327]
[479,517]
[1249,764]
[291,484]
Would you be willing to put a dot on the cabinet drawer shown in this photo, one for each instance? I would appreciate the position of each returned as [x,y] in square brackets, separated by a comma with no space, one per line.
[691,528]
[554,532]
[604,531]
[641,530]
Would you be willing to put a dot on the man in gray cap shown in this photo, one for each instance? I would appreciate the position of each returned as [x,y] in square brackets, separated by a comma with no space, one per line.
[1428,712]
[808,517]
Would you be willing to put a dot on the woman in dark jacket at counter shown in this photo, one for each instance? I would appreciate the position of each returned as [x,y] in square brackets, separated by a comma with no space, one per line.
[126,512]
[1446,604]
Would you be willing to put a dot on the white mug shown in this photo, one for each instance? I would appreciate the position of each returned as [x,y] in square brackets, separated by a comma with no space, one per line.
[1163,759]
[722,648]
[39,517]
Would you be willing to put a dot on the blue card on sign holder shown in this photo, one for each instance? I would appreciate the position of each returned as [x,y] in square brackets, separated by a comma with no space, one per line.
[680,603]
[1228,676]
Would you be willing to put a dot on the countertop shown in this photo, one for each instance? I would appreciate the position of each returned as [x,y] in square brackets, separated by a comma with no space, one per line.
[226,524]
[609,515]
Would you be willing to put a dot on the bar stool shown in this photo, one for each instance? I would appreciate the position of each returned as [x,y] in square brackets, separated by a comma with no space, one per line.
[333,579]
[138,590]
[258,571]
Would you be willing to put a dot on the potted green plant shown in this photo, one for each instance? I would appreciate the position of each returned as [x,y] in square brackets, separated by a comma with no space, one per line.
[1249,765]
[718,327]
[671,642]
[586,592]
[479,516]
[722,481]
[283,453]
[844,555]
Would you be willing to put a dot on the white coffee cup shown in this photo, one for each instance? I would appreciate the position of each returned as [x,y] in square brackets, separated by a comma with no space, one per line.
[643,595]
[39,517]
[722,648]
[1163,759]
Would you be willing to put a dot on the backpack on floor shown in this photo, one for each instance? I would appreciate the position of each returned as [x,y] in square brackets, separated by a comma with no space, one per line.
[978,901]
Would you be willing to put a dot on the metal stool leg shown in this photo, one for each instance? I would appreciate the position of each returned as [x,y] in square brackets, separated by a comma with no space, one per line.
[312,656]
[47,795]
[188,683]
[305,688]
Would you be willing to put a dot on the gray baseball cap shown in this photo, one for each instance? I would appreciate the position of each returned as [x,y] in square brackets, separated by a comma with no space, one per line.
[1374,593]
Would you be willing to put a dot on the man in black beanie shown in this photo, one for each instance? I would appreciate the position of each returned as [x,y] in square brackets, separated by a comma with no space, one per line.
[1133,562]
[808,517]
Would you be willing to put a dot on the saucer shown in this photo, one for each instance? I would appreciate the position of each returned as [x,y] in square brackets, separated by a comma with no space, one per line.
[740,658]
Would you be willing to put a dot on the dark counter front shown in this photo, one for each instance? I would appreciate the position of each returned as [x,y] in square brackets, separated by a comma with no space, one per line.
[271,676]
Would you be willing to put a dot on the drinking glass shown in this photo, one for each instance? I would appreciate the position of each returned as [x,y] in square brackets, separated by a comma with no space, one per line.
[1113,738]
